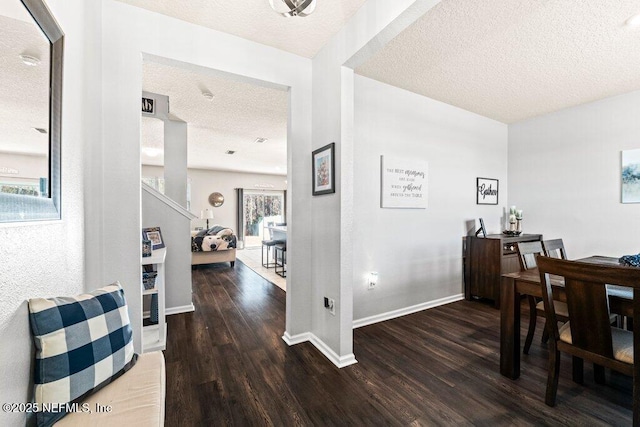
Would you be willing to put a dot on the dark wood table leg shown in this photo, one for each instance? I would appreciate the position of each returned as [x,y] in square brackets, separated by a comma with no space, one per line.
[509,329]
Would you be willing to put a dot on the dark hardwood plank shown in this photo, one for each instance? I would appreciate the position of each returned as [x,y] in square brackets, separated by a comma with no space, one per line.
[227,365]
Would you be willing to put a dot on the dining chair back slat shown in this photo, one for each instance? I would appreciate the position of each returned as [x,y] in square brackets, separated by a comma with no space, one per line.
[588,307]
[527,252]
[554,248]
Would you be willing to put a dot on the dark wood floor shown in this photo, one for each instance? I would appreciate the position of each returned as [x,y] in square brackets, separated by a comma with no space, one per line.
[227,365]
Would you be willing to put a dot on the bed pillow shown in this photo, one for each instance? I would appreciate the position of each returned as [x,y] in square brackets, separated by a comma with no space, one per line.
[82,344]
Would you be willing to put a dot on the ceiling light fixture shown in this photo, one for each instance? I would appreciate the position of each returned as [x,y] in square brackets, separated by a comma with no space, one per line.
[229,152]
[289,8]
[208,95]
[151,152]
[633,22]
[260,140]
[30,60]
[40,130]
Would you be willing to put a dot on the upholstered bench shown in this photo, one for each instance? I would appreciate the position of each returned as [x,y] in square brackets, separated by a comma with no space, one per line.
[134,399]
[86,371]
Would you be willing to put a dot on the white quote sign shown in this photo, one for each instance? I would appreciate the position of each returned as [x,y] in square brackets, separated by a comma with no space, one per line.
[404,183]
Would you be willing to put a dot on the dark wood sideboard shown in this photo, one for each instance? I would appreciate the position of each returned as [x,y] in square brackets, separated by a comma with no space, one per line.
[486,259]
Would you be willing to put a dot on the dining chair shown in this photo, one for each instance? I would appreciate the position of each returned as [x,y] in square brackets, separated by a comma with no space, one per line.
[554,248]
[527,252]
[589,335]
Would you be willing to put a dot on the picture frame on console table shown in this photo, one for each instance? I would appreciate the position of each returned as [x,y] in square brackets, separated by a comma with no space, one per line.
[155,235]
[486,191]
[323,165]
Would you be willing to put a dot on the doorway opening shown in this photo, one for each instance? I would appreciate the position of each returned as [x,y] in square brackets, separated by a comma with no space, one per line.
[261,209]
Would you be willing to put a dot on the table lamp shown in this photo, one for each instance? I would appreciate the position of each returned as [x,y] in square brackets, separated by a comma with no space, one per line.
[206,214]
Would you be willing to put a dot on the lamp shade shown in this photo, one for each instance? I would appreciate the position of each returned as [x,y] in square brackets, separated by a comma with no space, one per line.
[206,214]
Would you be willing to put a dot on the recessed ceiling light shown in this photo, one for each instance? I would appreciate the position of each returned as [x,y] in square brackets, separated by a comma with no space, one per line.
[151,152]
[260,140]
[40,130]
[633,22]
[30,60]
[208,95]
[229,152]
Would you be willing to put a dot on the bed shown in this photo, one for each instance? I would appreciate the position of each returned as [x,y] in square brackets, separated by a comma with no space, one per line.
[217,244]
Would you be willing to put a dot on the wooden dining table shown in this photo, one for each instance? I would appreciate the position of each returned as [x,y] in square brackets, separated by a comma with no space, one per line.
[514,285]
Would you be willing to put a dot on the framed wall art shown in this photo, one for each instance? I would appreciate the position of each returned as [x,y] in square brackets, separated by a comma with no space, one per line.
[323,170]
[486,191]
[630,176]
[153,234]
[404,183]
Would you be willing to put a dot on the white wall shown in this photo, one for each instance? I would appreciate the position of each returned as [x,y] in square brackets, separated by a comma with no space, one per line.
[30,167]
[205,182]
[418,252]
[376,22]
[45,259]
[175,229]
[564,172]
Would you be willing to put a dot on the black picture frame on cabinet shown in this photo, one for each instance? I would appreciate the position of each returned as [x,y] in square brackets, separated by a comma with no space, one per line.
[155,235]
[482,229]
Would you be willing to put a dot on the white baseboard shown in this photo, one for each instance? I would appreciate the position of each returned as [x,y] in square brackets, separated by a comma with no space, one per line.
[358,323]
[296,339]
[181,309]
[339,361]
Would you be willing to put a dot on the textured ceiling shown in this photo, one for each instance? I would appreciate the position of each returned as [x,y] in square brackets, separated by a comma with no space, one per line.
[24,90]
[255,20]
[511,60]
[237,115]
[504,59]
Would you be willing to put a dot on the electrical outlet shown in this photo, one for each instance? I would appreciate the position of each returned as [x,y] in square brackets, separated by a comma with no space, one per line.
[373,280]
[330,304]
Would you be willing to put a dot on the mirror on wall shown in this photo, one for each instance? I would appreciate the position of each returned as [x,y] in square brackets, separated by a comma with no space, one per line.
[216,199]
[31,53]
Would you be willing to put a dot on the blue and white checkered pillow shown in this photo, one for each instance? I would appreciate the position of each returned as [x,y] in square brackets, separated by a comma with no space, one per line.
[82,343]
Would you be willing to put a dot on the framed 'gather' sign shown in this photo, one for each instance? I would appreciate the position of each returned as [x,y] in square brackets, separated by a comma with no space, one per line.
[404,183]
[486,191]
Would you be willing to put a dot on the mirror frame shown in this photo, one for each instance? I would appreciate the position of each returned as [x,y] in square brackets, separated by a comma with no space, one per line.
[36,209]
